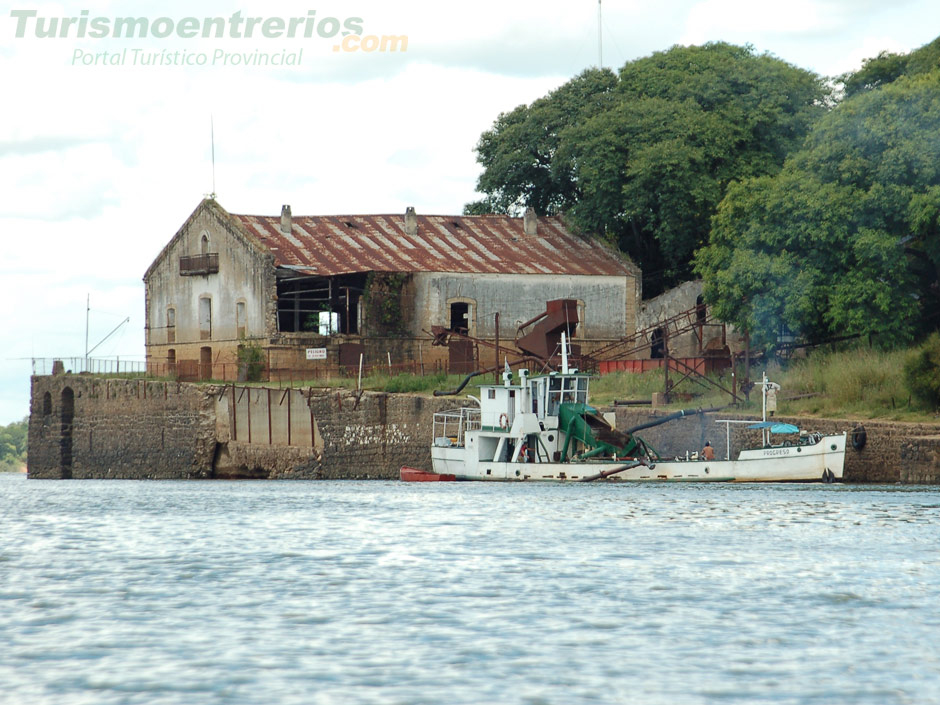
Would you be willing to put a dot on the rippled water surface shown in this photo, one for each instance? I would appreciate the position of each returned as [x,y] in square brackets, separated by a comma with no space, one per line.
[383,592]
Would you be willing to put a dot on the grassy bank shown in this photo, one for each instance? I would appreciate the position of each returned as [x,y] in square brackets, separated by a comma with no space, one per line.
[861,383]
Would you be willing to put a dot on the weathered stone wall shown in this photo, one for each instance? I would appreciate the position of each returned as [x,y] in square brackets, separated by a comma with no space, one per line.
[893,452]
[373,434]
[168,430]
[120,429]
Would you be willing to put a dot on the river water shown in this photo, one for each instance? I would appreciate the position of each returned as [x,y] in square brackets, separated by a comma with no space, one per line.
[383,592]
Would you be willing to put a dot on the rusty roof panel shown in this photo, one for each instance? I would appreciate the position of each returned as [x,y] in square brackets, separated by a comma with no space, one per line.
[485,244]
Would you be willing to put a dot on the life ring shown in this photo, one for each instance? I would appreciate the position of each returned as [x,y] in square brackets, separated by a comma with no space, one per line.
[503,421]
[859,437]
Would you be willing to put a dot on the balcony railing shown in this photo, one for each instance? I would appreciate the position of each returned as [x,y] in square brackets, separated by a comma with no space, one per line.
[199,264]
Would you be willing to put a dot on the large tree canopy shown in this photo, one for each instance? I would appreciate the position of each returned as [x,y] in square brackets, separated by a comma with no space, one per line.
[887,67]
[644,158]
[846,239]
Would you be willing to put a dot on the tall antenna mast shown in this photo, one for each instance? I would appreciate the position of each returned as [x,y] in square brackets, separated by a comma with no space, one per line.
[87,313]
[600,38]
[212,137]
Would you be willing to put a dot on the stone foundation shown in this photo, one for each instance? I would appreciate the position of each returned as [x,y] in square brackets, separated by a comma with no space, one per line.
[167,430]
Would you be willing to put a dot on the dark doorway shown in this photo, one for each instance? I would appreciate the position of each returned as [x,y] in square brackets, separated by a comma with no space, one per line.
[460,317]
[657,345]
[205,363]
[65,447]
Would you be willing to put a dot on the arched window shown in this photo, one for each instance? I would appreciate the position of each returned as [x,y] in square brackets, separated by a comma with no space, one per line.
[46,404]
[65,446]
[171,325]
[658,344]
[205,318]
[204,247]
[240,319]
[700,311]
[461,313]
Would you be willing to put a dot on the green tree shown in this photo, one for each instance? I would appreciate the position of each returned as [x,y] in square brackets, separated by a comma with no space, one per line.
[644,158]
[13,439]
[844,239]
[518,152]
[888,67]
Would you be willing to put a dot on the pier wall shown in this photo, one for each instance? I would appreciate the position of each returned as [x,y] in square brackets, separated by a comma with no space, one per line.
[91,427]
[88,427]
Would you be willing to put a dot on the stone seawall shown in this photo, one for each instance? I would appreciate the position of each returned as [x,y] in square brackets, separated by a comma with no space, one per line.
[87,427]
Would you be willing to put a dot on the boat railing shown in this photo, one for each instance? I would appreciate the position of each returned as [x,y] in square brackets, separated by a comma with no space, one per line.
[451,426]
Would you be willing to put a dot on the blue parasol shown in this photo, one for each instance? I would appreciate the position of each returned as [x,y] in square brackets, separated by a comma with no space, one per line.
[776,427]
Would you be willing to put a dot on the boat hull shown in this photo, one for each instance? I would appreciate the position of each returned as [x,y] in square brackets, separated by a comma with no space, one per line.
[822,461]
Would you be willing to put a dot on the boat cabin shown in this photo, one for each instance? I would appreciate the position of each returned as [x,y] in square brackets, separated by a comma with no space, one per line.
[542,396]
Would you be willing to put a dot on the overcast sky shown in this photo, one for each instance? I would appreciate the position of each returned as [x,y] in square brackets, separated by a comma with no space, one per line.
[100,164]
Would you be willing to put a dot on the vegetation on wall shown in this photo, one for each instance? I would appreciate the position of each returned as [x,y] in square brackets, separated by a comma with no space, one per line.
[251,360]
[382,309]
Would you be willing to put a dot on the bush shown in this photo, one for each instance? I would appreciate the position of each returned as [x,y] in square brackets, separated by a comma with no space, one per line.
[251,360]
[922,373]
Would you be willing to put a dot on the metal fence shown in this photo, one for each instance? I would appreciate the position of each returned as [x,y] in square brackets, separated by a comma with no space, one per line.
[195,371]
[88,365]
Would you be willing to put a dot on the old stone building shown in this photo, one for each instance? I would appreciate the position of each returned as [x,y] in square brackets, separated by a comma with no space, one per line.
[373,284]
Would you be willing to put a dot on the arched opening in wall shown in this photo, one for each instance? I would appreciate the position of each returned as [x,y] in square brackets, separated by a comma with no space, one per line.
[460,317]
[171,363]
[171,325]
[46,404]
[461,352]
[239,319]
[205,318]
[657,344]
[205,363]
[204,244]
[700,311]
[65,444]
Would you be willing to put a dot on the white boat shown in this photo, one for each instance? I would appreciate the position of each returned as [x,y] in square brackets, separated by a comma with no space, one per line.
[542,428]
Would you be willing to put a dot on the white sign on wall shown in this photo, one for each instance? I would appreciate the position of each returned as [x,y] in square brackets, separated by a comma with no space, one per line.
[316,353]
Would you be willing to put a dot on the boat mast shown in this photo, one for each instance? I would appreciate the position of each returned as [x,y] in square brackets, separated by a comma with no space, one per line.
[763,389]
[564,354]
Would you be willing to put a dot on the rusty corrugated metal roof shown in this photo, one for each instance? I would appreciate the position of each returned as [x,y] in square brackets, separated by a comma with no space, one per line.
[480,244]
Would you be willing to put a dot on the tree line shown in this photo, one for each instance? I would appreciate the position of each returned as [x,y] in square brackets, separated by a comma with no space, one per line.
[13,446]
[807,205]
